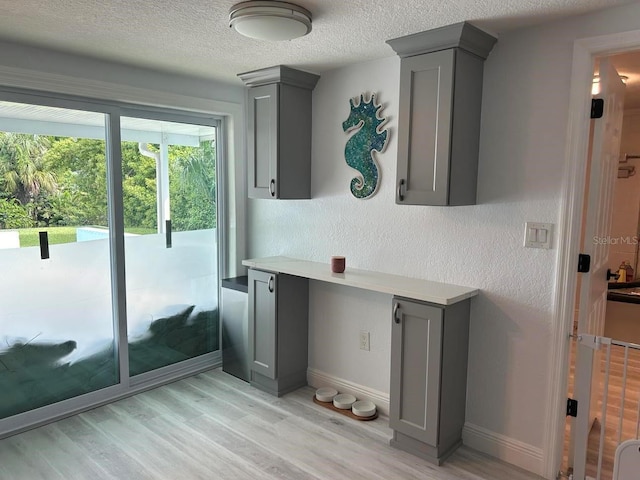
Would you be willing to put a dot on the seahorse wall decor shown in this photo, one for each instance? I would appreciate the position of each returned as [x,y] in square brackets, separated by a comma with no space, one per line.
[359,149]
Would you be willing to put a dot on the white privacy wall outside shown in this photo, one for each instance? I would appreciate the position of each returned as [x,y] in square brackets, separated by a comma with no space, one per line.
[522,153]
[68,296]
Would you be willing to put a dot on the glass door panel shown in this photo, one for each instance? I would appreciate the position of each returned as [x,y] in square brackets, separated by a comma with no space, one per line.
[56,320]
[171,249]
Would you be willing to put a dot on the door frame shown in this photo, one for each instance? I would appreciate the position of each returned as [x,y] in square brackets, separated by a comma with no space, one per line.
[569,230]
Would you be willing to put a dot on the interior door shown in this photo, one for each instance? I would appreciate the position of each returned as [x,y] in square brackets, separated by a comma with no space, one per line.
[597,225]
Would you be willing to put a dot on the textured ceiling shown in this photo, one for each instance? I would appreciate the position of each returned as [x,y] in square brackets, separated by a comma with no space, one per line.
[192,36]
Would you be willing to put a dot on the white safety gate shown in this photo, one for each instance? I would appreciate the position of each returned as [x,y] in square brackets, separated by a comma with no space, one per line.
[617,398]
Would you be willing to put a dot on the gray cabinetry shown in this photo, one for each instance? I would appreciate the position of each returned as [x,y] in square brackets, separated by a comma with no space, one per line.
[278,331]
[439,114]
[279,132]
[429,345]
[234,310]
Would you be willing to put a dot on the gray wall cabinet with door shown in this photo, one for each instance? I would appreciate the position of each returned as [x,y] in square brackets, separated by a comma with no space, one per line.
[278,331]
[279,132]
[439,114]
[429,345]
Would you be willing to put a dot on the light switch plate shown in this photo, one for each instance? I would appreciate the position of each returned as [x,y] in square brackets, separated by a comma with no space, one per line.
[537,235]
[364,341]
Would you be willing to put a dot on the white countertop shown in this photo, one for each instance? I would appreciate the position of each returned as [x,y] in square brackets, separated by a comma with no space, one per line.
[426,290]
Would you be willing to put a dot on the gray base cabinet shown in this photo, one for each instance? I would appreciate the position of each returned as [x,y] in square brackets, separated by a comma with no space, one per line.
[439,114]
[429,351]
[279,132]
[234,325]
[278,331]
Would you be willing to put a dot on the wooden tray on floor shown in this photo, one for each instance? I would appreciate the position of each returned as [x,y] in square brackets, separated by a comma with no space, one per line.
[345,412]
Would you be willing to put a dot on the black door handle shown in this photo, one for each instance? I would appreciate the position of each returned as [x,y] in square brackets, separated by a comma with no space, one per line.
[611,275]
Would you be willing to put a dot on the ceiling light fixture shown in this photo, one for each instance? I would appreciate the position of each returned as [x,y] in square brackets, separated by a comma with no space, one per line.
[595,87]
[270,20]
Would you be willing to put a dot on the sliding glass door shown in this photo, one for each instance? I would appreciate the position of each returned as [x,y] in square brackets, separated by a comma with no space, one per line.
[170,211]
[56,319]
[109,252]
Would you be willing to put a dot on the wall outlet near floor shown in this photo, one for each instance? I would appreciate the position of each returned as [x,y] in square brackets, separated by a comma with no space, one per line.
[364,341]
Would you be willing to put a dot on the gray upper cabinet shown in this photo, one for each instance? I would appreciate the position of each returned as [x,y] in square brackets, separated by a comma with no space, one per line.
[279,132]
[439,114]
[429,345]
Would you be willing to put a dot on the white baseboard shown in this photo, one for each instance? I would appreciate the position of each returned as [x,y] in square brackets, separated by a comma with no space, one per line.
[318,379]
[504,448]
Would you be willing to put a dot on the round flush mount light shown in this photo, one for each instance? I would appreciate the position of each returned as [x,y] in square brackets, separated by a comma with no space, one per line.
[270,20]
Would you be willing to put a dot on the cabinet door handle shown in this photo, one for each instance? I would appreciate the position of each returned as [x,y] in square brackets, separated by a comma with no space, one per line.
[270,285]
[400,185]
[272,187]
[396,309]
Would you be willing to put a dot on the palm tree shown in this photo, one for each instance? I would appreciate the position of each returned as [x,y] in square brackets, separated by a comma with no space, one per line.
[199,171]
[23,172]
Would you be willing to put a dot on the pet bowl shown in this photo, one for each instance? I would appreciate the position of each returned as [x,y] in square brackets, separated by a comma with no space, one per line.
[363,408]
[343,401]
[326,394]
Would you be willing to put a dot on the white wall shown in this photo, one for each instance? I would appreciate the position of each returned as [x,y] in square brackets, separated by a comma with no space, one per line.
[80,67]
[522,153]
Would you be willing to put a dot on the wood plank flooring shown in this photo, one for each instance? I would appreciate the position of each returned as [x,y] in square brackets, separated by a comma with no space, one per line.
[214,426]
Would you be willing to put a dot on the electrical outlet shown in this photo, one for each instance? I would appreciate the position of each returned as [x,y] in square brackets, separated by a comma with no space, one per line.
[364,340]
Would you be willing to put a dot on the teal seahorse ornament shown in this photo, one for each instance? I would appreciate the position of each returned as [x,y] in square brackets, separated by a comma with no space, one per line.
[358,151]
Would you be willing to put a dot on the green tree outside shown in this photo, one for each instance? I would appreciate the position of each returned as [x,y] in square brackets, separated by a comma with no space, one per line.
[25,175]
[51,181]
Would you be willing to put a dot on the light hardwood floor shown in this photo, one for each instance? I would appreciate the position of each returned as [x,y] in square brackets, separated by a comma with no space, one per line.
[214,426]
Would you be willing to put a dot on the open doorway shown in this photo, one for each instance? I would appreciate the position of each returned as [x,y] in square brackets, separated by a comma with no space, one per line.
[614,414]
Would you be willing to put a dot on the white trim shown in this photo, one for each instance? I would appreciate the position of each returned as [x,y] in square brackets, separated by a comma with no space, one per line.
[570,225]
[504,448]
[318,379]
[97,89]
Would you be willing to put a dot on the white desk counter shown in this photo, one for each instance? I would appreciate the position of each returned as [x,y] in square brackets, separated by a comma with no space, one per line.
[425,290]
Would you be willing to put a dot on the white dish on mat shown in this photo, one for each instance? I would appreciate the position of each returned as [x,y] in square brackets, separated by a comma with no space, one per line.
[363,408]
[343,401]
[326,394]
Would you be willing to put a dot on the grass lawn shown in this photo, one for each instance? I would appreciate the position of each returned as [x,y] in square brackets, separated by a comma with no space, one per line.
[29,236]
[140,230]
